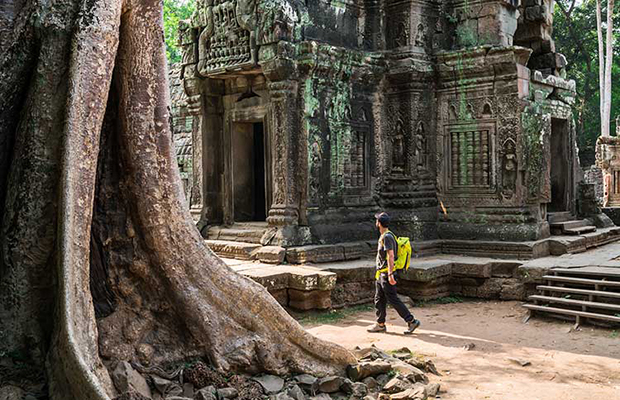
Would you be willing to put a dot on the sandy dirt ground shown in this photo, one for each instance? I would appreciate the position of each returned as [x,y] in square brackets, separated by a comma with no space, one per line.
[564,364]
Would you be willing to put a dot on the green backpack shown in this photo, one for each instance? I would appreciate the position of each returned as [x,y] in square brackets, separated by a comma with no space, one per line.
[403,255]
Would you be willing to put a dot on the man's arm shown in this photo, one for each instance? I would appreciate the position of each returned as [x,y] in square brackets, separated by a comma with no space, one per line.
[390,261]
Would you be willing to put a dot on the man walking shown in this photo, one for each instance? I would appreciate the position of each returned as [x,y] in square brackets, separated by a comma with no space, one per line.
[385,285]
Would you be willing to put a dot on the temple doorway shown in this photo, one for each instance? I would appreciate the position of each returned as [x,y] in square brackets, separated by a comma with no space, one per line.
[249,172]
[560,167]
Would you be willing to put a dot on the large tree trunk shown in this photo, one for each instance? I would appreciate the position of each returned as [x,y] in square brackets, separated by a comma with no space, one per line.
[608,64]
[601,67]
[100,260]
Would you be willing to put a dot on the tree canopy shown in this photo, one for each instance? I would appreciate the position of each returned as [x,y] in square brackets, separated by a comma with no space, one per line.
[175,11]
[576,38]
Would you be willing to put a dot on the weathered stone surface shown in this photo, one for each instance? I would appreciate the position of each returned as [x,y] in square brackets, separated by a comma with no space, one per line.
[227,393]
[238,250]
[270,254]
[330,384]
[371,383]
[166,387]
[395,385]
[415,393]
[296,393]
[207,393]
[305,379]
[271,384]
[315,254]
[472,270]
[309,300]
[127,379]
[432,389]
[365,369]
[410,372]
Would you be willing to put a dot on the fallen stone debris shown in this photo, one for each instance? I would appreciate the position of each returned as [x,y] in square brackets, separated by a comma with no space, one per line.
[399,375]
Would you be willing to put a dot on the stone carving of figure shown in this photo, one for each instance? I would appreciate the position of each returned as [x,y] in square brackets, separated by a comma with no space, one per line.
[398,148]
[420,148]
[420,38]
[509,168]
[315,167]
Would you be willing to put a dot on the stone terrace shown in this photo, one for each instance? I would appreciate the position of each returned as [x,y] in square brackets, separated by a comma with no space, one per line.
[309,286]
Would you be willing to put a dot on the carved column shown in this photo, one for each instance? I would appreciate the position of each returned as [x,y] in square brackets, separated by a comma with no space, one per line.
[285,132]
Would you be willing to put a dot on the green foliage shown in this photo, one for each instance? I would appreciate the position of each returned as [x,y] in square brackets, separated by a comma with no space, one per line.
[175,11]
[581,50]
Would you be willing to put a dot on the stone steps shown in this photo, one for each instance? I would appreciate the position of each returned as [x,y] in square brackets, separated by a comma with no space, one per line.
[585,293]
[572,227]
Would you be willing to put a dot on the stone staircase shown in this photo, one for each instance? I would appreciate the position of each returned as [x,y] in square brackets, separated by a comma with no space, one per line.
[563,223]
[586,294]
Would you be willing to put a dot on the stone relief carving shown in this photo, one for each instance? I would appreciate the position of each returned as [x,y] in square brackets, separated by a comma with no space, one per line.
[421,38]
[470,158]
[399,30]
[399,161]
[421,149]
[316,160]
[227,39]
[509,168]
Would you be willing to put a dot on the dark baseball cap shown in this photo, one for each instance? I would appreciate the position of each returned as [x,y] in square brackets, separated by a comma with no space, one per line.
[383,218]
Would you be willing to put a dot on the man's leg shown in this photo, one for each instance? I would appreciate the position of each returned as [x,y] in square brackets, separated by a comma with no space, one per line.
[380,302]
[392,297]
[380,305]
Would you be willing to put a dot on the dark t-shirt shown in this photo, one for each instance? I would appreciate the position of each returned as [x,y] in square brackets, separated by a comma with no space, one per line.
[388,243]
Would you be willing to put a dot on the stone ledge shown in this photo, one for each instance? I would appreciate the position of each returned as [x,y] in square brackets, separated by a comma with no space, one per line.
[237,250]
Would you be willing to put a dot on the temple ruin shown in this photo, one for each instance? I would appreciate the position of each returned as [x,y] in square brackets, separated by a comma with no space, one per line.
[306,118]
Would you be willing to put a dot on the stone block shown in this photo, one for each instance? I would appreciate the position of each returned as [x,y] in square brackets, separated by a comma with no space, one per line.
[535,13]
[471,270]
[308,300]
[356,250]
[238,250]
[270,254]
[427,270]
[490,289]
[127,379]
[281,296]
[315,254]
[512,289]
[504,269]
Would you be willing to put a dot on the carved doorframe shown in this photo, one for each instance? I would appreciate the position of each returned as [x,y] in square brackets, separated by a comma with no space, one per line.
[237,115]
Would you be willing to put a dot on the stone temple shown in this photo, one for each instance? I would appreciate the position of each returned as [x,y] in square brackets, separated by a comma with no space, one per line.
[302,119]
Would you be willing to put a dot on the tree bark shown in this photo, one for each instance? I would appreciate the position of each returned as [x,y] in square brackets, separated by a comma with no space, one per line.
[92,143]
[608,64]
[601,67]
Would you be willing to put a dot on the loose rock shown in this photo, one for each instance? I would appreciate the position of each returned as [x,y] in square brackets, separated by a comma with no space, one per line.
[271,384]
[166,387]
[305,379]
[415,393]
[227,393]
[208,393]
[432,389]
[364,369]
[371,383]
[395,385]
[127,379]
[296,393]
[330,384]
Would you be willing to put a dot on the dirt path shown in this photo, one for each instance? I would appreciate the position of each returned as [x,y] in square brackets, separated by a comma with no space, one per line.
[580,365]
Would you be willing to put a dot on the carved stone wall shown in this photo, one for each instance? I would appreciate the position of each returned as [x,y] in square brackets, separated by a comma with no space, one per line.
[181,123]
[422,108]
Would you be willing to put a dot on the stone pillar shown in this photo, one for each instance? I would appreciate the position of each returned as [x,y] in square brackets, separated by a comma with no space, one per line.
[289,154]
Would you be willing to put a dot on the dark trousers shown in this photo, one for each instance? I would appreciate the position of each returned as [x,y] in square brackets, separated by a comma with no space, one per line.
[384,293]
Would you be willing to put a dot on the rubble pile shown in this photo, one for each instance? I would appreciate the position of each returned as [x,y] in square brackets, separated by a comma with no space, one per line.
[378,375]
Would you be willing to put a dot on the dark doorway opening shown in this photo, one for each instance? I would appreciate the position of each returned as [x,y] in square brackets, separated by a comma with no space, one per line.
[248,175]
[560,167]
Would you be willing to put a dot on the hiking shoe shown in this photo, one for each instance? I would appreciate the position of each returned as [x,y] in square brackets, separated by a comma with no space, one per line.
[412,326]
[376,328]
